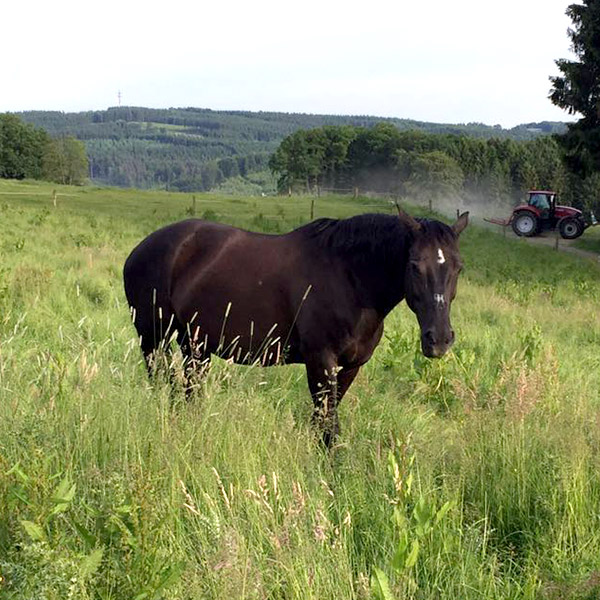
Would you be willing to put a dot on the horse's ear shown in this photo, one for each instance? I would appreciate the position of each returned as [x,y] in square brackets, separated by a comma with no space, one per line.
[461,223]
[409,221]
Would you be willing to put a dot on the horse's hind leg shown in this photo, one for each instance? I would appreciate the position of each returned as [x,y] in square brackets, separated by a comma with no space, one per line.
[148,350]
[155,337]
[196,358]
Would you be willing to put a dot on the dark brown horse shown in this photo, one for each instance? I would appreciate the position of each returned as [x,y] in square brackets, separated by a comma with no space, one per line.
[317,295]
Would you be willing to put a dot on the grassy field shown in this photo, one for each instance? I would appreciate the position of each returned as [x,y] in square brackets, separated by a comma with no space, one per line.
[474,476]
[590,240]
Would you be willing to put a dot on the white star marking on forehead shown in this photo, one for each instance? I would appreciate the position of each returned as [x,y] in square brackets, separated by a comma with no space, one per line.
[441,258]
[439,298]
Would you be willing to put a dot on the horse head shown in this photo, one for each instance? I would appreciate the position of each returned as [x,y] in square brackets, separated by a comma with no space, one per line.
[432,271]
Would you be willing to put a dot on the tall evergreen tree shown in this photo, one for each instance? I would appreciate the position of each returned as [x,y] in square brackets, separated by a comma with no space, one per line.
[577,90]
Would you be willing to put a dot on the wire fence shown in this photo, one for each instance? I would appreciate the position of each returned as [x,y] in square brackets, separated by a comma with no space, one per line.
[35,194]
[199,206]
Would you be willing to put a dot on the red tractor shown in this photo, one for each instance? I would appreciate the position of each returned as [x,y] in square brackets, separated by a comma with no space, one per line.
[542,213]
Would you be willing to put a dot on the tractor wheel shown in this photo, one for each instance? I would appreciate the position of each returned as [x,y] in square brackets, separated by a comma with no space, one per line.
[525,223]
[570,229]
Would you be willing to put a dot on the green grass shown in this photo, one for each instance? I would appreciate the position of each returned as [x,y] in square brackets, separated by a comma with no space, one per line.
[474,476]
[590,240]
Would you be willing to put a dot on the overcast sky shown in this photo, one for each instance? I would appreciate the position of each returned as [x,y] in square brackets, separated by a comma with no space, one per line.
[438,60]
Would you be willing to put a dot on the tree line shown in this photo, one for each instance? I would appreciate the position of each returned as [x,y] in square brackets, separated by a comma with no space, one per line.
[191,149]
[415,163]
[30,152]
[379,158]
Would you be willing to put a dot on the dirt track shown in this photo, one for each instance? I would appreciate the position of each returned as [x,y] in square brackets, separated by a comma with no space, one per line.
[549,239]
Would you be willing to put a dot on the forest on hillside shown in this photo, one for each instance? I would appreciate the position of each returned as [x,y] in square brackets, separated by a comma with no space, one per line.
[192,149]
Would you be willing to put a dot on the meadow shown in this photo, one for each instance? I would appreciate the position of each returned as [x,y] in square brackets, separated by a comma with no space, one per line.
[473,476]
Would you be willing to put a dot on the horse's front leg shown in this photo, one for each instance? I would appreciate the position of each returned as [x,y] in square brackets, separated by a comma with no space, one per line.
[328,383]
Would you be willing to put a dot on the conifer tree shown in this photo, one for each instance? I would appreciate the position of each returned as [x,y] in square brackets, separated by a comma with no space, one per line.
[577,90]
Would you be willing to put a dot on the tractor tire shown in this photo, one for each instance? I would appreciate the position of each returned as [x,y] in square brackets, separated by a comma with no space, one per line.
[525,223]
[570,228]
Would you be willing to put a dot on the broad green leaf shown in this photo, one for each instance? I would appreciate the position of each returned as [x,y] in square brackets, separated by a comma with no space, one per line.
[399,518]
[411,559]
[422,511]
[62,504]
[64,493]
[381,585]
[91,562]
[392,464]
[34,531]
[399,558]
[85,534]
[440,513]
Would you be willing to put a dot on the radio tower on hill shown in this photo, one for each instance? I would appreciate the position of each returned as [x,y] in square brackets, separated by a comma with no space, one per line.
[119,97]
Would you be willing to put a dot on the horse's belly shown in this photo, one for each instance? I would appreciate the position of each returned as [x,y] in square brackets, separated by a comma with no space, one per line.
[245,325]
[241,301]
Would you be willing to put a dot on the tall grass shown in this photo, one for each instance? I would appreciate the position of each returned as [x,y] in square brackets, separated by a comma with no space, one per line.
[474,476]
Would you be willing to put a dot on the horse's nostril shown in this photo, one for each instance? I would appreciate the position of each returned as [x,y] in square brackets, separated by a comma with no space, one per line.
[430,337]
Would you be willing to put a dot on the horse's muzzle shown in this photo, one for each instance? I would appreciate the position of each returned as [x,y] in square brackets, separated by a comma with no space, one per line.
[435,346]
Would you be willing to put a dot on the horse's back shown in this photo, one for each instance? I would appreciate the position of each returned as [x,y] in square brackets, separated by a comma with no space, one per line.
[160,250]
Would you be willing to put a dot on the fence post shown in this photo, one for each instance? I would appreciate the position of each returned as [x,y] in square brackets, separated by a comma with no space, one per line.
[356,192]
[54,198]
[312,209]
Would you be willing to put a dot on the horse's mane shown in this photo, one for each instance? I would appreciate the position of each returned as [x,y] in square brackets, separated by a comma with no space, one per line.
[375,236]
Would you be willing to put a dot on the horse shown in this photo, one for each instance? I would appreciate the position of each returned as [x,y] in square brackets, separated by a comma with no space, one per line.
[317,295]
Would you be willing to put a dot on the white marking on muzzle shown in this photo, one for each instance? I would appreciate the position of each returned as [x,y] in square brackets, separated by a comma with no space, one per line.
[441,258]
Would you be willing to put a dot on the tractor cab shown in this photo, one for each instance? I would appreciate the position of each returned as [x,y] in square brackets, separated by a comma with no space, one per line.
[544,202]
[546,207]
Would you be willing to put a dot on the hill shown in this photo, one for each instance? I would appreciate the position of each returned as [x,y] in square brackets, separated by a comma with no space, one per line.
[191,149]
[474,476]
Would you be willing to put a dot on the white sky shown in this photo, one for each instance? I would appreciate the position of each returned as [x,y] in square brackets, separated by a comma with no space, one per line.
[433,60]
